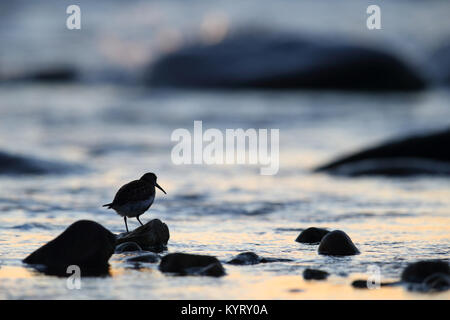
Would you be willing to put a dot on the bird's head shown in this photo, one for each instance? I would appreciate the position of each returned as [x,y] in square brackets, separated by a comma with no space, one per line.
[150,177]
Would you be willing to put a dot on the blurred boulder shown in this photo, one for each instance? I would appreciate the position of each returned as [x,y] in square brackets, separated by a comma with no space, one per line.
[14,164]
[191,264]
[420,154]
[85,244]
[152,236]
[51,74]
[283,61]
[337,243]
[311,235]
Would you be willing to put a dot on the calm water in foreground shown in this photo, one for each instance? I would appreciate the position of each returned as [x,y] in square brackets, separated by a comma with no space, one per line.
[118,133]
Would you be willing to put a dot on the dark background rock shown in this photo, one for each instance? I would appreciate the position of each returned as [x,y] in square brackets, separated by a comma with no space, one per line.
[152,236]
[15,164]
[419,154]
[85,243]
[417,272]
[311,235]
[315,274]
[337,243]
[191,264]
[441,61]
[283,61]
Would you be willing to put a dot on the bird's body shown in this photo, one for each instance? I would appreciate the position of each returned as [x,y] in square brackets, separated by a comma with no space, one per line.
[135,197]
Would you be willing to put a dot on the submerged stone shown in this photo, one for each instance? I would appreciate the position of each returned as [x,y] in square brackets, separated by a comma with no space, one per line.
[191,264]
[249,258]
[337,243]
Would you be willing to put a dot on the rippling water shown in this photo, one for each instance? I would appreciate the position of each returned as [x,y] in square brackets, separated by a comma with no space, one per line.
[118,133]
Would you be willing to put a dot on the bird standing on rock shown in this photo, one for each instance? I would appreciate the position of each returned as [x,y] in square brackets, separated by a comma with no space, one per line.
[136,197]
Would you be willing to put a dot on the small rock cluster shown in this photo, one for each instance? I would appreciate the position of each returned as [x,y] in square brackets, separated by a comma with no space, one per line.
[89,245]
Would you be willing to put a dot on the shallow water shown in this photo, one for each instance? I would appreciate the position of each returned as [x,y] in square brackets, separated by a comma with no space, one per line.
[120,132]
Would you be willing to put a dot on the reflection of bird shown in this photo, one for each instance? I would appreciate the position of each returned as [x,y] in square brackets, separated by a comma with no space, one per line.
[136,197]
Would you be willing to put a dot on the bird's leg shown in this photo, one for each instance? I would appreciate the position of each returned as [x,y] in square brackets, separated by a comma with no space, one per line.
[139,220]
[125,219]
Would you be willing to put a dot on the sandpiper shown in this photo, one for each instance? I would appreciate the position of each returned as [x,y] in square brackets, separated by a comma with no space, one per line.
[135,197]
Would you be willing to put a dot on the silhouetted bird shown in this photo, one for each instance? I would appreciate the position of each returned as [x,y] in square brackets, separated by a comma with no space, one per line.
[136,197]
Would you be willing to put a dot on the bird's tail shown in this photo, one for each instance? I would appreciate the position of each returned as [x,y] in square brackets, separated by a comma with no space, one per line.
[108,205]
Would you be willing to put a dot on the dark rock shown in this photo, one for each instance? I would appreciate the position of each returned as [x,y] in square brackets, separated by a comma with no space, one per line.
[152,236]
[54,75]
[283,61]
[314,274]
[362,284]
[127,247]
[248,258]
[311,235]
[213,270]
[191,264]
[419,271]
[85,243]
[18,165]
[148,258]
[421,154]
[337,243]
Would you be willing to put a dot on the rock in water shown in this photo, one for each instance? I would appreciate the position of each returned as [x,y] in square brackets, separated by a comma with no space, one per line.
[245,258]
[311,235]
[418,272]
[315,274]
[420,154]
[191,264]
[337,243]
[127,247]
[248,258]
[85,243]
[152,236]
[284,61]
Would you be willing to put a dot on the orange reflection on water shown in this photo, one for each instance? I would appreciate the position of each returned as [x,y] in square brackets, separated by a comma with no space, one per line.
[12,272]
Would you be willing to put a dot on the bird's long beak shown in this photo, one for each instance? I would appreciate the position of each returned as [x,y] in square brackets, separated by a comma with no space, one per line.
[159,187]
